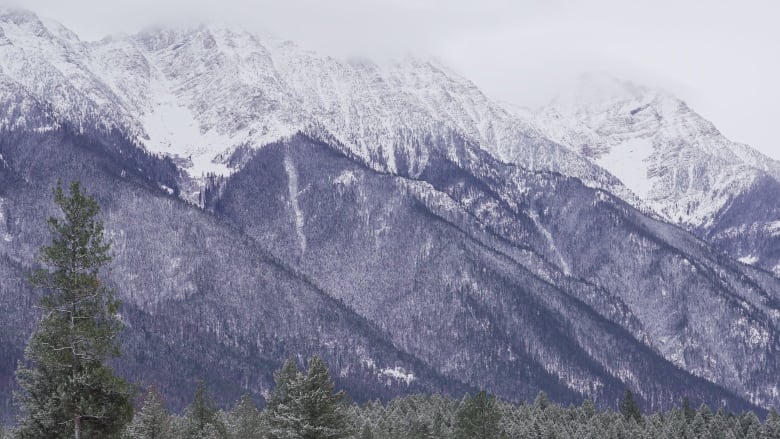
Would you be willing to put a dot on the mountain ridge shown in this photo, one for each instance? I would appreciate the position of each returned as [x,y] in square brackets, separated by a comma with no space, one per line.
[673,159]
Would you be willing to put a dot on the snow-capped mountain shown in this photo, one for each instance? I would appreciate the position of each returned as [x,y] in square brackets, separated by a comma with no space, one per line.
[391,216]
[199,93]
[674,160]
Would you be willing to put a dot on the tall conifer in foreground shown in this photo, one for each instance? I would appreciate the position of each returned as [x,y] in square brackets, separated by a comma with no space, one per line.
[325,409]
[305,406]
[67,389]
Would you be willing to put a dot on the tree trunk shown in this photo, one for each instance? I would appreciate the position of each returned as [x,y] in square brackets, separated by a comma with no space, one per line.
[77,426]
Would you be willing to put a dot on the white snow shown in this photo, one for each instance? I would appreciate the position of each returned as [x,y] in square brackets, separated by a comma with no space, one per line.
[346,178]
[399,374]
[198,102]
[173,130]
[292,186]
[674,160]
[629,162]
[551,242]
[4,235]
[773,227]
[749,260]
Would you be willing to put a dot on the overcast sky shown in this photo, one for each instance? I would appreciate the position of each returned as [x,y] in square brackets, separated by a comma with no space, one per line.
[721,56]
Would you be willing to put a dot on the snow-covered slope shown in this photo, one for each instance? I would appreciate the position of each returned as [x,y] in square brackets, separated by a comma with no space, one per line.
[199,93]
[46,65]
[676,161]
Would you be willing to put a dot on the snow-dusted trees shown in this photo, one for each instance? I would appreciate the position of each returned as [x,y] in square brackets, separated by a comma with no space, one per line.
[478,418]
[202,420]
[67,389]
[245,421]
[153,420]
[305,406]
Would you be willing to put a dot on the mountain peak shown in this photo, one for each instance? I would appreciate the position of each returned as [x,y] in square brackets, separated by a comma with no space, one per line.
[28,22]
[18,16]
[598,91]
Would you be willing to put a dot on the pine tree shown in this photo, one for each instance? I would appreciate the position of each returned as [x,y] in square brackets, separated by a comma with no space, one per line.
[67,390]
[478,417]
[629,408]
[365,432]
[244,421]
[281,409]
[153,420]
[6,433]
[699,426]
[305,406]
[749,424]
[437,430]
[771,428]
[324,409]
[201,419]
[718,426]
[542,401]
[588,409]
[688,411]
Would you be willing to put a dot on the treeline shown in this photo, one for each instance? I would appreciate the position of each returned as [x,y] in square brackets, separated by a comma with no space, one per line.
[304,405]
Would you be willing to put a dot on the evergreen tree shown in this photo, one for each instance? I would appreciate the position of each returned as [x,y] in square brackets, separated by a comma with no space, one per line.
[281,409]
[67,390]
[629,408]
[5,433]
[749,424]
[771,428]
[305,406]
[478,418]
[153,420]
[324,409]
[365,432]
[542,401]
[201,419]
[699,426]
[244,421]
[588,409]
[437,430]
[688,411]
[718,426]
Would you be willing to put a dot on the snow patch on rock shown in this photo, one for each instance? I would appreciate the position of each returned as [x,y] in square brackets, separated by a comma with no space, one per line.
[399,374]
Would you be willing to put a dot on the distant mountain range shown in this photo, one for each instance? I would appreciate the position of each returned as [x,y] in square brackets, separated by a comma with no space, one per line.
[266,202]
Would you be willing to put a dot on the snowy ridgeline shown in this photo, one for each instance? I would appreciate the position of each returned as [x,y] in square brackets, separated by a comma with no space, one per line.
[197,94]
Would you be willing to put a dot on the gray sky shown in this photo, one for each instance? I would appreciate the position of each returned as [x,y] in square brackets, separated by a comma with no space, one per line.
[721,56]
